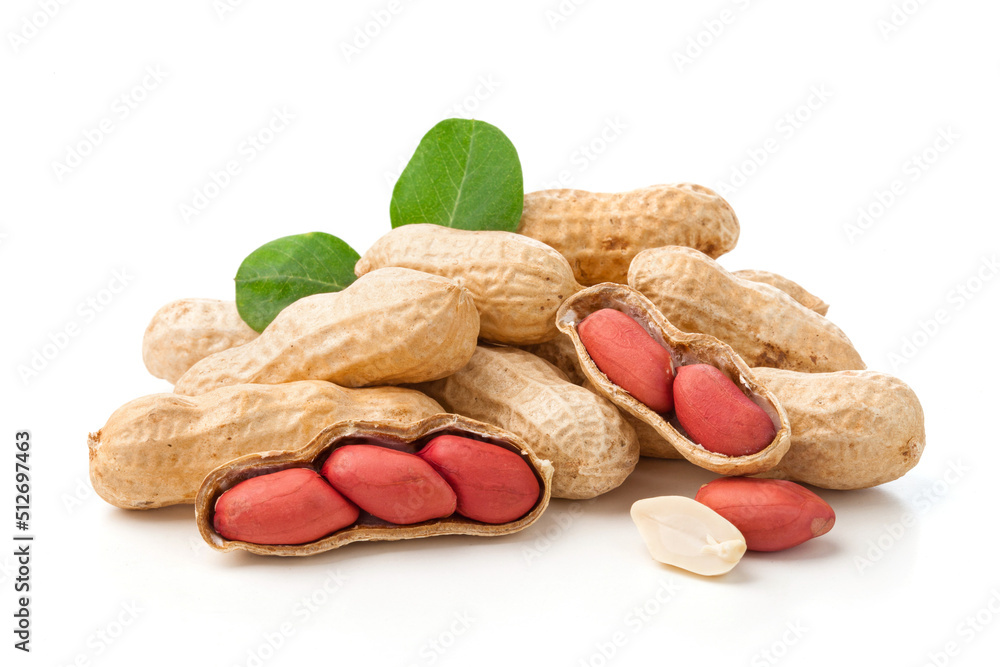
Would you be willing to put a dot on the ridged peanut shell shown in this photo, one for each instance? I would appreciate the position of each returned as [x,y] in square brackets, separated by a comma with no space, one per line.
[850,429]
[590,445]
[560,353]
[391,326]
[789,287]
[156,450]
[761,323]
[186,331]
[599,233]
[684,348]
[405,438]
[516,282]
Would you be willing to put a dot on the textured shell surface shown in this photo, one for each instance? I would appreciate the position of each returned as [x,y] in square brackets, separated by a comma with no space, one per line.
[156,450]
[561,353]
[589,443]
[599,233]
[850,429]
[406,438]
[764,325]
[391,326]
[516,282]
[185,331]
[789,287]
[684,348]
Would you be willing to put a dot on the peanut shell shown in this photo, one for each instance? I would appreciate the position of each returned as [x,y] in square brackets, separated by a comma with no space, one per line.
[406,438]
[516,282]
[684,348]
[761,323]
[156,450]
[599,233]
[590,445]
[789,287]
[560,353]
[651,443]
[391,326]
[850,429]
[185,331]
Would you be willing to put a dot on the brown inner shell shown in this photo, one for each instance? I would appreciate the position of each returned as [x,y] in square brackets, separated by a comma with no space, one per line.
[410,439]
[685,349]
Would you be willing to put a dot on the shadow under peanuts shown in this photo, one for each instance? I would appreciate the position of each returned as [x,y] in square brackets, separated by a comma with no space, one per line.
[652,478]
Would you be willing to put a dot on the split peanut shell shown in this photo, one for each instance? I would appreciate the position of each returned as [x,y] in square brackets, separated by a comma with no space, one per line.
[155,451]
[685,349]
[764,325]
[408,438]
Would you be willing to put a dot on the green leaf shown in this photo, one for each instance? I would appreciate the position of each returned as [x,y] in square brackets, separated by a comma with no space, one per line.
[287,269]
[464,174]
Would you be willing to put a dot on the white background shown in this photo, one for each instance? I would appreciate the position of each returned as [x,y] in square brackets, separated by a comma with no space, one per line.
[865,96]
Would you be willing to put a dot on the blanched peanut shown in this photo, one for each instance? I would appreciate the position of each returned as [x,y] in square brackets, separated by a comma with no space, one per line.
[682,532]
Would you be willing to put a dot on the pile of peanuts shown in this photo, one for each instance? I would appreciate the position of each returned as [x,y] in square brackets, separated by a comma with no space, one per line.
[602,330]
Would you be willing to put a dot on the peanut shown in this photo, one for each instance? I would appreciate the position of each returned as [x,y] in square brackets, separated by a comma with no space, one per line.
[684,533]
[717,415]
[789,287]
[516,282]
[561,353]
[391,326]
[156,450]
[292,506]
[186,331]
[600,233]
[591,447]
[763,324]
[772,514]
[850,429]
[394,486]
[390,441]
[493,484]
[651,443]
[630,357]
[684,349]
